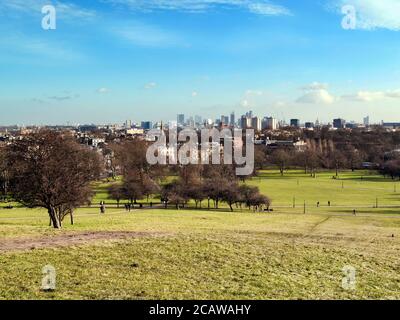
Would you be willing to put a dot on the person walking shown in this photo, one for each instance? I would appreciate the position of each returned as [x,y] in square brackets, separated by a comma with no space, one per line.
[102,207]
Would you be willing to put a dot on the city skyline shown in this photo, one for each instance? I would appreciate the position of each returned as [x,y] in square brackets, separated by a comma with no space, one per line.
[112,60]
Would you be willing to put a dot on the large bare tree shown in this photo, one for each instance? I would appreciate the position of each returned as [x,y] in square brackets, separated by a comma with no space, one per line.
[51,170]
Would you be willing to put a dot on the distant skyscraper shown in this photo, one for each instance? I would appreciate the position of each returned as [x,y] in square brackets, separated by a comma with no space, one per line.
[366,121]
[256,123]
[269,123]
[245,122]
[232,120]
[295,123]
[225,120]
[249,114]
[181,119]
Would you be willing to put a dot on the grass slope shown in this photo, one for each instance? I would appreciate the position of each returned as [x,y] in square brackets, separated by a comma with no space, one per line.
[221,255]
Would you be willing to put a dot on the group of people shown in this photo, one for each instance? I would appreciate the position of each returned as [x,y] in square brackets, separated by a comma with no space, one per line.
[318,204]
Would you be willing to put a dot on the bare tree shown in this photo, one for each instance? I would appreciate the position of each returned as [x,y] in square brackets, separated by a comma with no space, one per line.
[116,192]
[52,171]
[281,158]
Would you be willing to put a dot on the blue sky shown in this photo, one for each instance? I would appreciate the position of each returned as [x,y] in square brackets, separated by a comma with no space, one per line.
[112,60]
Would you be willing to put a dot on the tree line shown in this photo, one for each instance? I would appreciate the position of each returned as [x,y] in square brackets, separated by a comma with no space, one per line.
[51,170]
[335,150]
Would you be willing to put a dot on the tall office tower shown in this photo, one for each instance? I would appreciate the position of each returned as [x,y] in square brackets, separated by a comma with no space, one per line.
[245,122]
[232,120]
[256,123]
[269,123]
[181,119]
[295,123]
[339,123]
[366,121]
[224,120]
[249,114]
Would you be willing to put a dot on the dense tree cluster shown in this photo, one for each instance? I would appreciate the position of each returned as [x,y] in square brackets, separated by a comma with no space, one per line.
[214,184]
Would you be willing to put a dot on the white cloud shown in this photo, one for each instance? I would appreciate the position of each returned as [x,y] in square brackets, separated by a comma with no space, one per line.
[315,86]
[103,90]
[373,14]
[262,7]
[250,97]
[316,93]
[369,96]
[255,93]
[195,94]
[147,35]
[245,103]
[65,10]
[393,94]
[150,85]
[320,96]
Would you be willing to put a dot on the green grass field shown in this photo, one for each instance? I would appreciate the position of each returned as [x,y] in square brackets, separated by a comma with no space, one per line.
[201,254]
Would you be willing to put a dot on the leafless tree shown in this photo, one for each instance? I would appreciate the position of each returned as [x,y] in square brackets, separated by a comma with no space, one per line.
[52,171]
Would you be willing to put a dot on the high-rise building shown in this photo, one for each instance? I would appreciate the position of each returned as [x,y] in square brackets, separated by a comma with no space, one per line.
[181,119]
[245,122]
[249,114]
[224,120]
[256,123]
[295,123]
[366,121]
[232,120]
[339,123]
[269,123]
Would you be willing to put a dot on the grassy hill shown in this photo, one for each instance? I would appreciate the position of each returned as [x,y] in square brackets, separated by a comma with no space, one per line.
[201,254]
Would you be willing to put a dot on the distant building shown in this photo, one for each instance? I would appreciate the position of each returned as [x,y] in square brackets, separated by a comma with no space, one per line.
[269,123]
[309,125]
[391,125]
[198,120]
[366,121]
[351,125]
[181,119]
[295,123]
[147,125]
[87,128]
[339,123]
[256,123]
[245,122]
[232,119]
[224,120]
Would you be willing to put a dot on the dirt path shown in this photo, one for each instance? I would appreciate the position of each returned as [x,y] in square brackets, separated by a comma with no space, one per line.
[66,240]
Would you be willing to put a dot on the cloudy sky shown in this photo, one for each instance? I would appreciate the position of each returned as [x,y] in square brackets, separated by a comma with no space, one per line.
[112,60]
